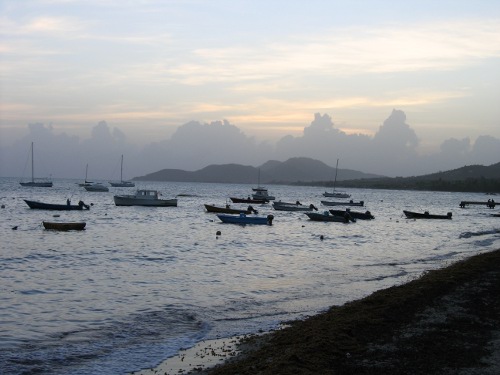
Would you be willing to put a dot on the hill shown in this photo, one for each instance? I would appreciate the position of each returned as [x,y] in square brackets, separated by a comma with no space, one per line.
[472,178]
[294,170]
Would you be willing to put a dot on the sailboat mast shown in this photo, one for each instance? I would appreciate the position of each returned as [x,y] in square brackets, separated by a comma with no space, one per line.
[336,169]
[121,170]
[32,164]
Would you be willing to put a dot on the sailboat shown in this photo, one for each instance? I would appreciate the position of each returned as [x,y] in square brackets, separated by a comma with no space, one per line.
[122,183]
[336,194]
[86,182]
[34,183]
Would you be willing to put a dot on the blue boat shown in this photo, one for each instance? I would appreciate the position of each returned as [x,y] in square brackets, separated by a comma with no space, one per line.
[243,219]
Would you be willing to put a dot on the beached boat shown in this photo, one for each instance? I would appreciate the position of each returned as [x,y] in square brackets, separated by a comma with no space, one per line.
[248,200]
[149,198]
[228,210]
[64,226]
[334,193]
[425,215]
[285,206]
[355,214]
[96,187]
[57,207]
[33,183]
[325,216]
[121,183]
[243,219]
[350,203]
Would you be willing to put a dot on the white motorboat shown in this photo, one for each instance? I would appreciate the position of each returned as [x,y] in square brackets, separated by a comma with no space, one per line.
[148,198]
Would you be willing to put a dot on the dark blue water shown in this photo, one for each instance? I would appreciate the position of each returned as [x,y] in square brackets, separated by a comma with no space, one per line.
[140,283]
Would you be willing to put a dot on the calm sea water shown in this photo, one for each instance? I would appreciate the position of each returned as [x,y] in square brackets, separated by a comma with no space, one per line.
[140,283]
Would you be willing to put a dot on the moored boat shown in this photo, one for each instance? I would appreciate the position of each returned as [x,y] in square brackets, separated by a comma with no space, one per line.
[325,216]
[97,187]
[57,207]
[148,198]
[121,183]
[425,215]
[284,206]
[248,200]
[334,193]
[350,203]
[355,214]
[228,210]
[243,219]
[64,226]
[33,182]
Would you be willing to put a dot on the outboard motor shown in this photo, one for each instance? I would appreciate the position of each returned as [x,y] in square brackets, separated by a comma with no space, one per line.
[312,207]
[449,215]
[270,219]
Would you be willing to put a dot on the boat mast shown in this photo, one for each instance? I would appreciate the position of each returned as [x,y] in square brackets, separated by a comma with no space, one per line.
[335,181]
[32,164]
[121,170]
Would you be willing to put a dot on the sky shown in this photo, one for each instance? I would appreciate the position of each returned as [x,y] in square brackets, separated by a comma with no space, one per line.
[141,73]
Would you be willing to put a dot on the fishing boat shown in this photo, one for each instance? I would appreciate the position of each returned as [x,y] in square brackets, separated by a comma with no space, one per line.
[64,226]
[243,219]
[285,206]
[355,214]
[425,215]
[334,193]
[96,187]
[228,210]
[57,207]
[121,183]
[350,203]
[33,183]
[248,200]
[325,216]
[149,198]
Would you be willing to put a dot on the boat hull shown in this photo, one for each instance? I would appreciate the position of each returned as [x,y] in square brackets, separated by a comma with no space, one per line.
[121,200]
[36,184]
[248,200]
[56,207]
[356,215]
[425,215]
[330,203]
[293,207]
[96,188]
[336,195]
[228,210]
[244,220]
[315,216]
[122,184]
[64,226]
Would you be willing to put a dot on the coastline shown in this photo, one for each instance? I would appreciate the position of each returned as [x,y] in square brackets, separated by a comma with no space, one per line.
[445,322]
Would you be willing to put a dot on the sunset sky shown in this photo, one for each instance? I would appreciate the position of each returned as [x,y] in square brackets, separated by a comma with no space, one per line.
[147,67]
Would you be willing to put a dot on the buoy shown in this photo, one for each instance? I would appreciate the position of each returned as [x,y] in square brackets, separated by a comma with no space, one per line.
[3,205]
[218,233]
[321,237]
[14,228]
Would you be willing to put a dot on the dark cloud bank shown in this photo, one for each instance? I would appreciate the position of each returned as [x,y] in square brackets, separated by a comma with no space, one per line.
[391,151]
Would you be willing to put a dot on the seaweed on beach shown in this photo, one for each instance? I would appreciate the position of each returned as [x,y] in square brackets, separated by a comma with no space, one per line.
[444,322]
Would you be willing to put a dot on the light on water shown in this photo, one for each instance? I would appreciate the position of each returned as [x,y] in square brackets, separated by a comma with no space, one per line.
[140,283]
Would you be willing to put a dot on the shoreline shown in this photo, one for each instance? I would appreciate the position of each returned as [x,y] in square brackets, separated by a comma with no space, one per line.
[445,321]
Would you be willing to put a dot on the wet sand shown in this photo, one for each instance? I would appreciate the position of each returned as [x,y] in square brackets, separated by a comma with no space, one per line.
[445,322]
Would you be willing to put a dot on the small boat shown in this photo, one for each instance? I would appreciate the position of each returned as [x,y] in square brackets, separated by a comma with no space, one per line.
[297,206]
[229,210]
[121,183]
[243,219]
[96,187]
[64,226]
[355,214]
[57,207]
[325,216]
[350,203]
[248,200]
[149,198]
[334,193]
[261,192]
[425,215]
[34,183]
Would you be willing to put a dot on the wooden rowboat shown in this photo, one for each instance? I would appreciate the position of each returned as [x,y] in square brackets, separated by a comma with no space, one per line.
[425,215]
[64,226]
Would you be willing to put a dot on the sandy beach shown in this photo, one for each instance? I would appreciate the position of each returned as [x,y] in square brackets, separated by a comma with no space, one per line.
[445,322]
